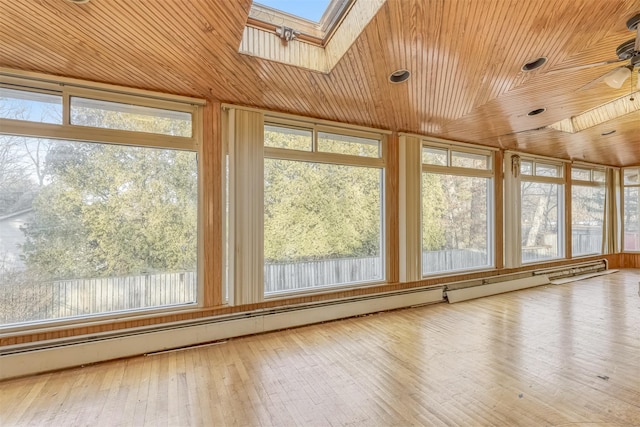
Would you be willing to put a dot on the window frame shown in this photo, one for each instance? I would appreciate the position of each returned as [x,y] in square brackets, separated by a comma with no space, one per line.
[623,187]
[593,183]
[323,157]
[561,181]
[489,173]
[318,33]
[67,87]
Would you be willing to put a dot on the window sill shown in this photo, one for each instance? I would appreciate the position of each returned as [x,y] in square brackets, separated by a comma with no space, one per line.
[45,326]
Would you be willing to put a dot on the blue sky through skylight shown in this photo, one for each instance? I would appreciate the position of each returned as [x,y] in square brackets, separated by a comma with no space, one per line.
[307,9]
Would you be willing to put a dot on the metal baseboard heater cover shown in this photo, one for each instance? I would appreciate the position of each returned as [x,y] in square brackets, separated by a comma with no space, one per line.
[464,294]
[513,282]
[21,360]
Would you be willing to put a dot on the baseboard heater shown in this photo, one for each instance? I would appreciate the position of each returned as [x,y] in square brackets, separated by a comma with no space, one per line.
[486,289]
[28,359]
[573,272]
[472,289]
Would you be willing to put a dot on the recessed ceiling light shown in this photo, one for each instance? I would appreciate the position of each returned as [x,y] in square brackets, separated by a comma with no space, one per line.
[536,112]
[399,76]
[609,132]
[536,63]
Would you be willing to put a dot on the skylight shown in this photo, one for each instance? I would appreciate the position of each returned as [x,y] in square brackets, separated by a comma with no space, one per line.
[313,20]
[312,34]
[311,10]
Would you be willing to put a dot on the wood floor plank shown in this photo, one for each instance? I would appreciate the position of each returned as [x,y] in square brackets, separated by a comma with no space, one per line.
[552,355]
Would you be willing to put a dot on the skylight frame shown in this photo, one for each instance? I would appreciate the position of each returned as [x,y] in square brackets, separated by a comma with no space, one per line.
[319,33]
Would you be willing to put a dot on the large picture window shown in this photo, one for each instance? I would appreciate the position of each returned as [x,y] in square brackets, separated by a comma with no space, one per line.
[90,228]
[323,215]
[542,210]
[631,211]
[457,209]
[587,210]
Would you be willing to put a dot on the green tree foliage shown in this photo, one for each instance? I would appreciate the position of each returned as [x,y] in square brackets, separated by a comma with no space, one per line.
[15,186]
[105,210]
[454,212]
[319,211]
[433,210]
[112,210]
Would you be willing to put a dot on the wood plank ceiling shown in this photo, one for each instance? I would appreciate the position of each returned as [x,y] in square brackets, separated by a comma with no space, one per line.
[465,57]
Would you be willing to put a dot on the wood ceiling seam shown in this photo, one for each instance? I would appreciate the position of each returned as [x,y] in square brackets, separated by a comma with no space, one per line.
[205,62]
[372,44]
[139,63]
[397,93]
[373,74]
[343,75]
[560,39]
[419,102]
[479,66]
[138,69]
[498,31]
[435,26]
[39,35]
[446,102]
[513,43]
[223,56]
[155,39]
[363,83]
[470,72]
[439,66]
[375,71]
[584,53]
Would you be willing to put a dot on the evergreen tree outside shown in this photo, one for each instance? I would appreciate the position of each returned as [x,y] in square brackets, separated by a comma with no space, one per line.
[111,210]
[321,212]
[95,213]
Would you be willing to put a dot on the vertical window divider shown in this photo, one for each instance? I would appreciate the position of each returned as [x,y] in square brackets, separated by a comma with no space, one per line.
[498,209]
[314,140]
[512,208]
[410,212]
[246,253]
[568,232]
[66,108]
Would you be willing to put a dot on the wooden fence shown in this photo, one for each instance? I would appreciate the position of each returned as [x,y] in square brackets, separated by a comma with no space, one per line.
[26,301]
[280,277]
[452,260]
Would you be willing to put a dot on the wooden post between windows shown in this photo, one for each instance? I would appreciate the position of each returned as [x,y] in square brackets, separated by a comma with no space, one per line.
[211,186]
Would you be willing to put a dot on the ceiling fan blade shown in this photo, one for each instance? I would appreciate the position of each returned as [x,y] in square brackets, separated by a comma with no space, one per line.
[582,67]
[637,46]
[594,82]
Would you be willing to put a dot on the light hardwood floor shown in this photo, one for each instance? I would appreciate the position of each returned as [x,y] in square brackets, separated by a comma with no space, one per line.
[553,355]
